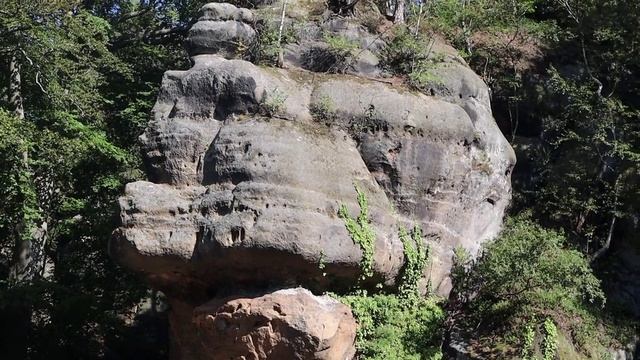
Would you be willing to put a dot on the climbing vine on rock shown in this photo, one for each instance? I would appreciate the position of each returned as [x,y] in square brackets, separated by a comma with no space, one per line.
[550,344]
[529,338]
[392,326]
[416,255]
[361,232]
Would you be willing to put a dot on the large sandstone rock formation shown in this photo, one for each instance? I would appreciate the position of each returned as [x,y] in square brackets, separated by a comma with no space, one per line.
[248,167]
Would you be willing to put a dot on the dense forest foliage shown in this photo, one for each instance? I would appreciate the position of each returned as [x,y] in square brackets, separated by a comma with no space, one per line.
[78,79]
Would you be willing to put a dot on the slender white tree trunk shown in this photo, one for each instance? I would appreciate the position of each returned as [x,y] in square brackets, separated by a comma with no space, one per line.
[15,87]
[280,50]
[398,17]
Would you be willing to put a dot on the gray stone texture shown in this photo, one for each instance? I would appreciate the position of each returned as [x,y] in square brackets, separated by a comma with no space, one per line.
[248,167]
[221,29]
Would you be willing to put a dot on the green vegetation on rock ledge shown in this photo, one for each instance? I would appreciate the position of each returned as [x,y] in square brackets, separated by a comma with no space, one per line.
[413,56]
[401,325]
[416,255]
[392,327]
[361,232]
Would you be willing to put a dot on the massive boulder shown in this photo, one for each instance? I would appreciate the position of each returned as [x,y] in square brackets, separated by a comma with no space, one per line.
[285,324]
[249,168]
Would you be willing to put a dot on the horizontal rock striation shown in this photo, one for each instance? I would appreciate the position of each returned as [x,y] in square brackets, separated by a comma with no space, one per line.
[249,166]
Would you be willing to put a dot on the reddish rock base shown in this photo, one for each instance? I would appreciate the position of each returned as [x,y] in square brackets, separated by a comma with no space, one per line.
[286,324]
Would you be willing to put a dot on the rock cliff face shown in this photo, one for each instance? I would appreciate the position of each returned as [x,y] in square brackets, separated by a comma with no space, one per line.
[248,167]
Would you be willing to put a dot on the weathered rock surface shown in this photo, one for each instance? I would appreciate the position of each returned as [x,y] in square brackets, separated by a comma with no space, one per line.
[221,29]
[286,324]
[248,167]
[265,214]
[445,167]
[193,104]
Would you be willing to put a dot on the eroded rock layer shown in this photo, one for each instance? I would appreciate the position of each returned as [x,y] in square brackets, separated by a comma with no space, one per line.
[248,167]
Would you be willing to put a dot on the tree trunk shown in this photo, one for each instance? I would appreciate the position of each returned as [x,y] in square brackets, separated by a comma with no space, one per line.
[398,17]
[15,87]
[607,245]
[612,225]
[419,19]
[280,61]
[582,216]
[30,237]
[18,311]
[22,247]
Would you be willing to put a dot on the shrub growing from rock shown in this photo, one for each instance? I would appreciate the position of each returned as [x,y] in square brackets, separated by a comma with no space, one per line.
[413,56]
[391,327]
[528,279]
